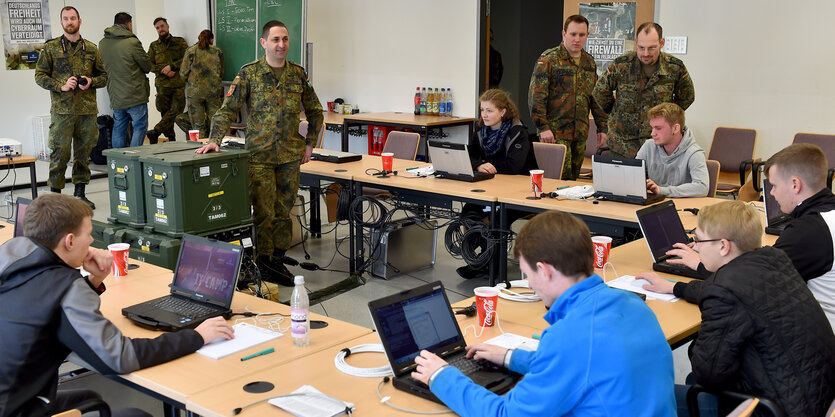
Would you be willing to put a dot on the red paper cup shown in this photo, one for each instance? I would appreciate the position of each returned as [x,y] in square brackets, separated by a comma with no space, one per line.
[193,135]
[120,258]
[602,245]
[536,181]
[486,300]
[388,159]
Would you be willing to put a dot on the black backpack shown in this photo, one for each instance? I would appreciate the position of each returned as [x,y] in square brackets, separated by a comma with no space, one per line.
[105,123]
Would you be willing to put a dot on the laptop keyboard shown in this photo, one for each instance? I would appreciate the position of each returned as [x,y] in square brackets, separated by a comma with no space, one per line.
[469,366]
[184,307]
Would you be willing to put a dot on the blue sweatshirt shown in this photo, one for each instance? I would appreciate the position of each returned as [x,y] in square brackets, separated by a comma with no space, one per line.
[603,355]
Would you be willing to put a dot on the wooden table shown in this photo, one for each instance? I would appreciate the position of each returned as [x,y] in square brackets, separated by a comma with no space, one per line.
[419,123]
[22,161]
[318,370]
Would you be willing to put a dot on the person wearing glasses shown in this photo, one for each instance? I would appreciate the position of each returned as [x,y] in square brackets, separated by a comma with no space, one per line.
[762,332]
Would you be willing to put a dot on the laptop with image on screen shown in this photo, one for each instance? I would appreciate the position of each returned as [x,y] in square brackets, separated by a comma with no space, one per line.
[662,228]
[204,283]
[452,160]
[621,179]
[421,318]
[776,219]
[19,212]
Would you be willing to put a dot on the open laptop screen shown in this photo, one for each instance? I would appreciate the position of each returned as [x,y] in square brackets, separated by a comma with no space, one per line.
[208,268]
[453,158]
[772,208]
[619,176]
[661,227]
[20,211]
[409,325]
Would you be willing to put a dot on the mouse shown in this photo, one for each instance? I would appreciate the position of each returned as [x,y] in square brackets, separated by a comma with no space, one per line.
[640,282]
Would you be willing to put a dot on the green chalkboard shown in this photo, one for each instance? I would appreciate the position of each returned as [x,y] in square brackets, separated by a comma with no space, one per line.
[238,26]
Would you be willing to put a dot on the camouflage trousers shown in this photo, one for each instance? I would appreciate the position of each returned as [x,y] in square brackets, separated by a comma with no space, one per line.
[76,134]
[623,148]
[575,152]
[170,103]
[272,192]
[198,115]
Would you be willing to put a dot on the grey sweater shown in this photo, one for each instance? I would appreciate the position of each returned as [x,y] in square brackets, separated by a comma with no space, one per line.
[682,174]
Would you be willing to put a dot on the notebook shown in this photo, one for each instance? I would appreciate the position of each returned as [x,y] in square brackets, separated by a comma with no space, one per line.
[621,179]
[421,318]
[662,228]
[336,157]
[203,286]
[20,212]
[452,160]
[777,220]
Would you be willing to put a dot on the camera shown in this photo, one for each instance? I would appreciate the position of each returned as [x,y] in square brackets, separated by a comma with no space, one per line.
[81,80]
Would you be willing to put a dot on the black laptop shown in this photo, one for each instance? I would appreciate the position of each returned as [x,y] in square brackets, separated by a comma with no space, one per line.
[776,219]
[204,283]
[20,211]
[452,160]
[335,157]
[421,318]
[621,179]
[662,228]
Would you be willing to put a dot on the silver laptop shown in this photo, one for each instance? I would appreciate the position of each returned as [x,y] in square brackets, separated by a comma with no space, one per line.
[621,179]
[452,160]
[777,220]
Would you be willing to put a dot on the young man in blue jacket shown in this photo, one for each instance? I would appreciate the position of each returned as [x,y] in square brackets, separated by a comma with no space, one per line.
[604,353]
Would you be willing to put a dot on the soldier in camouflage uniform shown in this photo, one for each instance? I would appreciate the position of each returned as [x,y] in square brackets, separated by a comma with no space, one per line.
[274,91]
[560,95]
[202,70]
[636,82]
[166,55]
[73,110]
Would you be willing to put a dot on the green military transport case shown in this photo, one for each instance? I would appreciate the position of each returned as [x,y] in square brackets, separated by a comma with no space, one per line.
[194,193]
[124,179]
[104,234]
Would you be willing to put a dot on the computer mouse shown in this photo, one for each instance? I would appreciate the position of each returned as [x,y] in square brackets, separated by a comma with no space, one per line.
[640,282]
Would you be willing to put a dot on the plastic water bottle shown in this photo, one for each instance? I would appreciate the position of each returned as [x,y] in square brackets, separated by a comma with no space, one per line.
[442,103]
[449,102]
[300,313]
[423,101]
[435,106]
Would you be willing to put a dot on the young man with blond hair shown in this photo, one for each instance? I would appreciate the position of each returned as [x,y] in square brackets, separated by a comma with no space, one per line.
[675,163]
[588,362]
[762,332]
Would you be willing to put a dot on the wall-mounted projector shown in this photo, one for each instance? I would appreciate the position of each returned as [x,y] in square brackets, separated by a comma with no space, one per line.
[10,147]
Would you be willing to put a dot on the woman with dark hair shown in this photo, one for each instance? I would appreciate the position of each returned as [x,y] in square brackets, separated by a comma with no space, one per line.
[202,69]
[499,145]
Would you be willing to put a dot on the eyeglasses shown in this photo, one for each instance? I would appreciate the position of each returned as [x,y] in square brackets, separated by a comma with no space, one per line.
[705,241]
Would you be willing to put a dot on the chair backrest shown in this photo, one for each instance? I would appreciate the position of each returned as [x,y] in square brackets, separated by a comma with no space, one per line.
[831,412]
[70,413]
[303,132]
[550,157]
[731,146]
[591,140]
[745,409]
[303,128]
[825,142]
[713,168]
[404,145]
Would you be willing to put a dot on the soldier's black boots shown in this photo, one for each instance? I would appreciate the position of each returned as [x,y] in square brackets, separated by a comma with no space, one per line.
[153,136]
[273,270]
[79,194]
[55,190]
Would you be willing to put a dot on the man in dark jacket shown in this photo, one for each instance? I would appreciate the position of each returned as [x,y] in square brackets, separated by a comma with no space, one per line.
[763,333]
[50,309]
[128,87]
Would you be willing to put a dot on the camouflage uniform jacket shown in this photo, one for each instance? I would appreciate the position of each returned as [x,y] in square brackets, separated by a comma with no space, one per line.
[636,95]
[273,107]
[560,95]
[58,61]
[202,70]
[168,51]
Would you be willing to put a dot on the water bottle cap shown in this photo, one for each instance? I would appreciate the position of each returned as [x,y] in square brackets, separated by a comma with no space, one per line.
[299,279]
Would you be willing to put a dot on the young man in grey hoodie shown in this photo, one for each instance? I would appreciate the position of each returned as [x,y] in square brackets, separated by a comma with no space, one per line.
[675,163]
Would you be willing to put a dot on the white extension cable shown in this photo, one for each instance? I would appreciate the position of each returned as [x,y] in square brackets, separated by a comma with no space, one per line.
[511,295]
[339,362]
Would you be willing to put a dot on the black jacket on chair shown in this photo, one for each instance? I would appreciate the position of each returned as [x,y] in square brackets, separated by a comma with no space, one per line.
[764,334]
[517,157]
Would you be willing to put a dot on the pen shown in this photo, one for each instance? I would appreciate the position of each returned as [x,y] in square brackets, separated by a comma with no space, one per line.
[257,354]
[535,336]
[411,168]
[563,187]
[671,280]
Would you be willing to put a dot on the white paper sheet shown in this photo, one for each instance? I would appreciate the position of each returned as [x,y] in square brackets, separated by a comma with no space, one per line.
[629,283]
[514,341]
[246,336]
[316,404]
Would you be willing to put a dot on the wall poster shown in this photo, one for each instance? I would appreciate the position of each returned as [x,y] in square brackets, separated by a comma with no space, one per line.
[25,30]
[611,30]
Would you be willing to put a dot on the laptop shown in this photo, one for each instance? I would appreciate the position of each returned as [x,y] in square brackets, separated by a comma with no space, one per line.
[421,318]
[335,157]
[662,228]
[621,179]
[20,211]
[452,160]
[776,219]
[203,286]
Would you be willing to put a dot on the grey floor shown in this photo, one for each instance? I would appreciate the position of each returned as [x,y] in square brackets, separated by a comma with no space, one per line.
[350,306]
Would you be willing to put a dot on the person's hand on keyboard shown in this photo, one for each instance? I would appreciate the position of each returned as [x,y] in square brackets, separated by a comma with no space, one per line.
[491,353]
[215,328]
[427,364]
[685,255]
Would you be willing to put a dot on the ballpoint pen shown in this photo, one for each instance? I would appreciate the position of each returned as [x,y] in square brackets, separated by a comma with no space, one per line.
[257,354]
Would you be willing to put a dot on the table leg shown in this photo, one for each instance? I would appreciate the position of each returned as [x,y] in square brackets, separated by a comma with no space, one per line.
[33,178]
[315,212]
[502,258]
[493,271]
[344,136]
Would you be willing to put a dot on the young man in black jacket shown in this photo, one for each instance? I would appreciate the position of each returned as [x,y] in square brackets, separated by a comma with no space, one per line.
[49,310]
[762,332]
